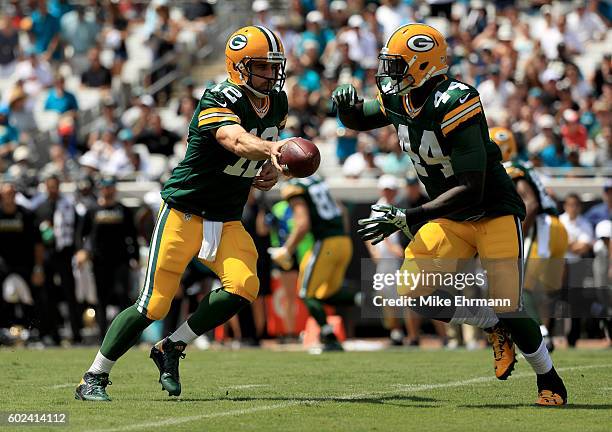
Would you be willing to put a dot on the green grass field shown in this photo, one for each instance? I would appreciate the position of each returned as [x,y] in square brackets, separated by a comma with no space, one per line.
[354,391]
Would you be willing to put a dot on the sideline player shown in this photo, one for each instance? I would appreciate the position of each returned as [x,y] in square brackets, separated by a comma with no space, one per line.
[323,267]
[545,236]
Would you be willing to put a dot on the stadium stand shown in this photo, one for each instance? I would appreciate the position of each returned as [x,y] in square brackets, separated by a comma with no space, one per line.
[543,68]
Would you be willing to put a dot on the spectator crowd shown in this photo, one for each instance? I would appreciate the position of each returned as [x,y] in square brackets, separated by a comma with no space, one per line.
[75,107]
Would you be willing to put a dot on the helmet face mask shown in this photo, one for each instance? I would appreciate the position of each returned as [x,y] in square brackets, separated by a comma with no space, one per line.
[276,81]
[392,76]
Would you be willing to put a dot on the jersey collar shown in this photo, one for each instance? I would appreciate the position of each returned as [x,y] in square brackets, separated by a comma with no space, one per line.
[410,109]
[263,110]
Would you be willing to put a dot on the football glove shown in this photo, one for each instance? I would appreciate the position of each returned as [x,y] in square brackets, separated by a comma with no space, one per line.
[345,96]
[380,227]
[281,256]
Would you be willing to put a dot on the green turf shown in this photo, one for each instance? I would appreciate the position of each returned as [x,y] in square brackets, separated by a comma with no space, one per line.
[263,390]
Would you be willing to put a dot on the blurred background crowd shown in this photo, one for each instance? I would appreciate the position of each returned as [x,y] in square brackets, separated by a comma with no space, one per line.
[96,96]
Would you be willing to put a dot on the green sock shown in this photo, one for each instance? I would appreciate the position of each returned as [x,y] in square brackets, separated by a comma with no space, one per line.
[215,309]
[341,298]
[123,333]
[315,308]
[530,306]
[525,333]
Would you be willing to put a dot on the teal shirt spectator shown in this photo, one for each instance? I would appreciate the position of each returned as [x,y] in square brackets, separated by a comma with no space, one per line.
[308,5]
[345,145]
[59,8]
[310,80]
[81,32]
[322,38]
[44,28]
[8,133]
[590,122]
[61,104]
[551,158]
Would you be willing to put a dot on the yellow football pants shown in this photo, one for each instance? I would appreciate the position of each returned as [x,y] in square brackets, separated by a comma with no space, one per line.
[323,267]
[440,243]
[177,238]
[546,252]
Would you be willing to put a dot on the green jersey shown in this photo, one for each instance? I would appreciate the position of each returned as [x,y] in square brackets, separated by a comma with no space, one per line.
[429,136]
[325,215]
[524,170]
[211,181]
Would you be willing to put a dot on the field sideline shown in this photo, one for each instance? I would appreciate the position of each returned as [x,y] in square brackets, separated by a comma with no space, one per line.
[294,391]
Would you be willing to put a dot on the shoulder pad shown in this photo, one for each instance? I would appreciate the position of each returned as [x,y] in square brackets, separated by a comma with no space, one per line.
[224,94]
[219,105]
[455,104]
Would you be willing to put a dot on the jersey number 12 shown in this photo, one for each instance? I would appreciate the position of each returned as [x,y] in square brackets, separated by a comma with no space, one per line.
[250,171]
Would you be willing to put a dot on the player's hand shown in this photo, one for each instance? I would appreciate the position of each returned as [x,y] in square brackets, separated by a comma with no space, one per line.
[267,177]
[275,151]
[345,96]
[380,227]
[282,257]
[81,257]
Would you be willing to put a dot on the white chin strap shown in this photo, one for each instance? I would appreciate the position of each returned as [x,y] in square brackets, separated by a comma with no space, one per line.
[244,83]
[252,90]
[430,73]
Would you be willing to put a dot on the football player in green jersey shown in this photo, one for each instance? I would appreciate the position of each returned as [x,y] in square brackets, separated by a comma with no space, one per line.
[545,240]
[323,267]
[232,145]
[474,207]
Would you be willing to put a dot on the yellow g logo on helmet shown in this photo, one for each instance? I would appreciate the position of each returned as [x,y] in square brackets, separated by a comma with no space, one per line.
[413,54]
[255,44]
[504,138]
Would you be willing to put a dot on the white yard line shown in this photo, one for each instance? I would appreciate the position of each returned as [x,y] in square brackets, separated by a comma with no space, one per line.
[409,388]
[176,421]
[243,386]
[58,386]
[235,387]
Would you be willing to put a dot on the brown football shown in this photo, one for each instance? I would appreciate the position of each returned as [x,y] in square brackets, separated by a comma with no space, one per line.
[300,157]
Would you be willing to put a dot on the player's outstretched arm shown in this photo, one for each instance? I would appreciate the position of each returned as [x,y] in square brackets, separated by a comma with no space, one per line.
[391,219]
[468,159]
[237,140]
[356,113]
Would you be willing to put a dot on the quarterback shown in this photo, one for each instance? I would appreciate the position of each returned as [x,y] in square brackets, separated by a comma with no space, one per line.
[322,268]
[232,146]
[475,209]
